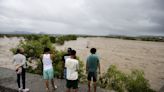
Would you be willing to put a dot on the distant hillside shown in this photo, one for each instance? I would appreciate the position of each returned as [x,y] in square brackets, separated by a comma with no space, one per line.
[138,38]
[17,32]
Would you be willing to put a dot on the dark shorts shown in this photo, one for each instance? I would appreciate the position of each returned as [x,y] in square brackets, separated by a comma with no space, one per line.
[72,84]
[92,75]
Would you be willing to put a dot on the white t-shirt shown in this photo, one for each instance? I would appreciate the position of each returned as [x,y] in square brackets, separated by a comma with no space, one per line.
[47,62]
[72,66]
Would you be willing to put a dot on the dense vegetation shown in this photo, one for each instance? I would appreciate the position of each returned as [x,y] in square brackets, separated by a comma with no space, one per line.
[140,38]
[121,82]
[60,39]
[54,39]
[112,79]
[34,46]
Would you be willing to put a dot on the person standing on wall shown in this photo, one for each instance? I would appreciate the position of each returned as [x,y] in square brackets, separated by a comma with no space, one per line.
[92,65]
[72,65]
[48,72]
[19,60]
[66,56]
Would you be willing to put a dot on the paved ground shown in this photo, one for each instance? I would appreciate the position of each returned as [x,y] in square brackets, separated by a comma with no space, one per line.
[34,82]
[162,89]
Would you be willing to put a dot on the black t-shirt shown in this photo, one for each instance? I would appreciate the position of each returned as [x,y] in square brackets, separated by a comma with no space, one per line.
[65,57]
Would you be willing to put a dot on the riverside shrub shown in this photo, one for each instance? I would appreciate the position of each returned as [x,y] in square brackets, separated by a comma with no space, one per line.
[116,80]
[34,47]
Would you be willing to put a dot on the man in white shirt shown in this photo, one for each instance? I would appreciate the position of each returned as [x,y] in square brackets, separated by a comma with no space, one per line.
[72,65]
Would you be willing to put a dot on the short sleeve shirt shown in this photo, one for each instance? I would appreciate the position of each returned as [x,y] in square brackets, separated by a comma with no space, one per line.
[19,59]
[92,62]
[72,66]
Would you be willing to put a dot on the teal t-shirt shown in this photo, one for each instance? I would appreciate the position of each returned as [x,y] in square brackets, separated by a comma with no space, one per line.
[92,62]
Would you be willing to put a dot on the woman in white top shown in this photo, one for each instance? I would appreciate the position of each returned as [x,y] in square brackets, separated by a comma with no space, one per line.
[19,60]
[48,73]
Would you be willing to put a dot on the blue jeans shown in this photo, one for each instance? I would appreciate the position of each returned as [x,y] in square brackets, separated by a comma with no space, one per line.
[65,73]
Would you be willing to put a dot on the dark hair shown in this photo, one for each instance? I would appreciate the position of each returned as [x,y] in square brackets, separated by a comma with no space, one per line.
[73,52]
[18,50]
[69,50]
[93,50]
[46,50]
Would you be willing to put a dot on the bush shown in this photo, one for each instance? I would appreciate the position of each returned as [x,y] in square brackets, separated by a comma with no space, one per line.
[82,75]
[35,37]
[113,79]
[70,37]
[58,63]
[53,39]
[34,47]
[61,39]
[37,70]
[121,82]
[32,37]
[137,83]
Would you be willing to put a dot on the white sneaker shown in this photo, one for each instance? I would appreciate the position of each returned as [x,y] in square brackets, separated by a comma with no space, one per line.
[20,90]
[47,90]
[25,90]
[55,87]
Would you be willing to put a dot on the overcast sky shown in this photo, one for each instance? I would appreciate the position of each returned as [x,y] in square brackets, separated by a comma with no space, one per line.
[96,17]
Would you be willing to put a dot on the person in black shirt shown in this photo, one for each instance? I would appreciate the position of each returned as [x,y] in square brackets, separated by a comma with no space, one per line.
[66,56]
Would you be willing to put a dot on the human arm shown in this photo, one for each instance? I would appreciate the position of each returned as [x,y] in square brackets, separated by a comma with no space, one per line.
[87,66]
[15,64]
[99,66]
[65,64]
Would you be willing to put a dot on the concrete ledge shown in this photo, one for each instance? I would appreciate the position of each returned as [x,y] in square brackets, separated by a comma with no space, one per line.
[34,82]
[162,89]
[4,89]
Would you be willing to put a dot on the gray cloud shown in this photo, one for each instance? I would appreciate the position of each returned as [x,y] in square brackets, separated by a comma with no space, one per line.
[100,17]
